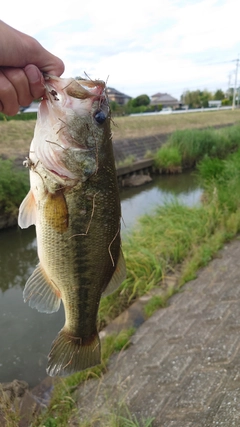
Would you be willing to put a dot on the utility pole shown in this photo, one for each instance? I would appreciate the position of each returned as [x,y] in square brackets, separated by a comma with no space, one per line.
[229,81]
[235,85]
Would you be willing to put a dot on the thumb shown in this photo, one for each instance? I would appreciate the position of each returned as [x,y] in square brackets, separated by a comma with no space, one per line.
[35,81]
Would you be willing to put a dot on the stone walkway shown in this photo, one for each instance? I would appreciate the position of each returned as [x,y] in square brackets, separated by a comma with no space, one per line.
[183,367]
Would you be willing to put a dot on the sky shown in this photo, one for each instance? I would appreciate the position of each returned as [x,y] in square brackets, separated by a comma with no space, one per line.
[141,47]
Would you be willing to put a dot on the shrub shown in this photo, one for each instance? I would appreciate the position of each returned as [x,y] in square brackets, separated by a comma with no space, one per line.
[194,144]
[21,116]
[14,185]
[210,168]
[168,159]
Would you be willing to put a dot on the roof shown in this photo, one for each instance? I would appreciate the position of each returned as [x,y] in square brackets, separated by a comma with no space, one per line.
[163,97]
[157,95]
[112,91]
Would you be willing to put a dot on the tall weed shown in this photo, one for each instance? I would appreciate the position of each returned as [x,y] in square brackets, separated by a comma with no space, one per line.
[195,144]
[168,159]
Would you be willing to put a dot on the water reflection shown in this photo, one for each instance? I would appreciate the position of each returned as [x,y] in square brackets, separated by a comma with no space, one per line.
[18,256]
[162,189]
[25,334]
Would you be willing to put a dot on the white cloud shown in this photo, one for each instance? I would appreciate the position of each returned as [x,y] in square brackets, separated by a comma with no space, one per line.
[144,47]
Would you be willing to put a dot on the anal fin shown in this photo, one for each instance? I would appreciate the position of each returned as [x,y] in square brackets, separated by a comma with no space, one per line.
[41,293]
[118,277]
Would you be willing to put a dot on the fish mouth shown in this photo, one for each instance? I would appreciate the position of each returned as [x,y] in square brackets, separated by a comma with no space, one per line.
[76,88]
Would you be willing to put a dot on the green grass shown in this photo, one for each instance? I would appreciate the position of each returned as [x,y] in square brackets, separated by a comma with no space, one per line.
[186,148]
[128,161]
[14,185]
[119,416]
[16,135]
[168,159]
[21,117]
[175,235]
[133,127]
[156,247]
[63,405]
[156,302]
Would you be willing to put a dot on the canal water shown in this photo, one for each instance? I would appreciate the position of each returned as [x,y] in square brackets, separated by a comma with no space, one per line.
[26,334]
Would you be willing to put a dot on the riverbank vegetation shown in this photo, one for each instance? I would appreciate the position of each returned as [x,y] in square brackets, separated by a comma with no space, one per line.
[15,136]
[184,149]
[14,185]
[175,238]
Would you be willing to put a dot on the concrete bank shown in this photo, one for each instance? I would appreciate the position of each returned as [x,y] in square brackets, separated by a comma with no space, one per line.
[183,367]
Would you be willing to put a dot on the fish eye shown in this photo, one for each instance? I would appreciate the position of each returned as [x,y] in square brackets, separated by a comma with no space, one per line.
[100,117]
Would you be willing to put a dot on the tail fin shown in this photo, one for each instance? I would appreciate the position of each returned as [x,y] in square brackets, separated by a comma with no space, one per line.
[71,354]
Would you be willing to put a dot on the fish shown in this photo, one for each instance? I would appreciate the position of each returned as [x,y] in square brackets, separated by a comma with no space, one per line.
[74,204]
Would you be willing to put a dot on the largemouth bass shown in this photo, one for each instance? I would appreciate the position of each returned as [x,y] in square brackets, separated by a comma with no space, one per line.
[74,203]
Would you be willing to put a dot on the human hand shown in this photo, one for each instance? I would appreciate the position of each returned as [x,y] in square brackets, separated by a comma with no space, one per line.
[22,62]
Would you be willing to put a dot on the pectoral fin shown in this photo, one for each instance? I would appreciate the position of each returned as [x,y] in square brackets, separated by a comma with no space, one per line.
[118,276]
[41,293]
[27,211]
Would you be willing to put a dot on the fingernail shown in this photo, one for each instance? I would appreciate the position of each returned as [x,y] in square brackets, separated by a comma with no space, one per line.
[33,74]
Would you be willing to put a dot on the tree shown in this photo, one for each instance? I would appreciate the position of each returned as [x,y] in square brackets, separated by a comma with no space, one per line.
[113,105]
[219,95]
[196,98]
[141,100]
[204,97]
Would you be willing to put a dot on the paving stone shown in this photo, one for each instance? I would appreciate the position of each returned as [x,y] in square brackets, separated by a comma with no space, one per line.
[228,414]
[179,328]
[199,388]
[137,146]
[176,423]
[183,367]
[215,288]
[220,349]
[199,333]
[215,312]
[155,404]
[190,302]
[232,292]
[172,368]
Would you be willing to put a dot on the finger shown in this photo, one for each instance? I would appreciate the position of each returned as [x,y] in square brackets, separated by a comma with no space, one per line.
[54,65]
[8,96]
[35,81]
[44,60]
[19,81]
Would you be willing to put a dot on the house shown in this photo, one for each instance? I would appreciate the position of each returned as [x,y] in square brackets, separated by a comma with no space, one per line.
[119,97]
[214,103]
[165,100]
